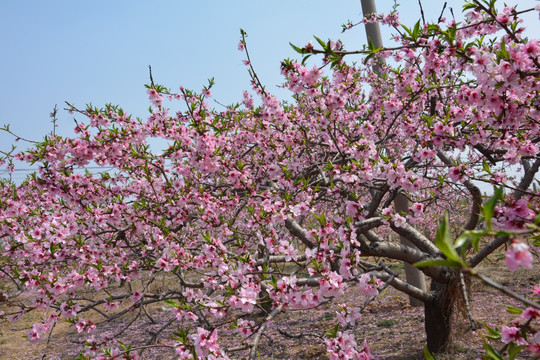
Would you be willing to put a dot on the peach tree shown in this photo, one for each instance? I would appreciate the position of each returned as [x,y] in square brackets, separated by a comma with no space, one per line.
[268,207]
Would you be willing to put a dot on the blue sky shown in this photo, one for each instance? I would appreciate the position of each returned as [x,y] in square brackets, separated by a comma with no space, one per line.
[98,51]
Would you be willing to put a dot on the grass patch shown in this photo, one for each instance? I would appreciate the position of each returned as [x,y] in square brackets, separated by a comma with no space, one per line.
[385,323]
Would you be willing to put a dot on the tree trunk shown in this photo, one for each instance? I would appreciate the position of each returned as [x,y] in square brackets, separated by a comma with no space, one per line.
[438,314]
[413,275]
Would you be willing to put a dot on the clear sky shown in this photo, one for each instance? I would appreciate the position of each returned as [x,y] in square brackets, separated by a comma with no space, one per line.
[98,51]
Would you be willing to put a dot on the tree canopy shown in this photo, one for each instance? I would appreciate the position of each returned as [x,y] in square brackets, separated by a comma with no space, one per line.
[267,206]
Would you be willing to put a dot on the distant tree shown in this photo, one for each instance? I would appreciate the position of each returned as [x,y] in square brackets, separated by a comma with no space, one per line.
[280,206]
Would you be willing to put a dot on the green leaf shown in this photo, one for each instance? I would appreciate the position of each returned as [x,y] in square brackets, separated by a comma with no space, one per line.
[372,47]
[473,236]
[304,59]
[407,30]
[444,242]
[171,302]
[485,166]
[492,353]
[439,262]
[493,333]
[441,179]
[513,310]
[322,43]
[416,30]
[503,233]
[332,333]
[321,218]
[514,350]
[427,354]
[489,207]
[469,6]
[297,49]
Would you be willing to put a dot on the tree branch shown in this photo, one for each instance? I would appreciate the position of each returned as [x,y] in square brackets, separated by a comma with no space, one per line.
[486,250]
[379,247]
[403,286]
[417,238]
[526,180]
[257,338]
[299,232]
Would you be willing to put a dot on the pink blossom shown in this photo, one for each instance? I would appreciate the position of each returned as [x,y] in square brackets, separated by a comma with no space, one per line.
[238,186]
[207,93]
[530,313]
[509,334]
[456,173]
[399,221]
[69,311]
[518,255]
[110,305]
[136,296]
[367,286]
[84,325]
[417,208]
[155,97]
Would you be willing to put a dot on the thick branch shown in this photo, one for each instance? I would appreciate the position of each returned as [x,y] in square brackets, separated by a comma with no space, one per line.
[377,196]
[408,289]
[257,338]
[368,224]
[526,180]
[379,247]
[296,230]
[417,238]
[278,259]
[488,249]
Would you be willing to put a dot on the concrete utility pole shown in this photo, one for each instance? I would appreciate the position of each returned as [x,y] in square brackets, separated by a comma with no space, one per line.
[401,203]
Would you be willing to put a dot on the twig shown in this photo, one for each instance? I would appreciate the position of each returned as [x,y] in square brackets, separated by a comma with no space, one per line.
[442,13]
[50,333]
[155,335]
[503,289]
[17,283]
[257,338]
[466,300]
[422,12]
[17,137]
[298,336]
[392,276]
[252,72]
[145,347]
[488,249]
[151,78]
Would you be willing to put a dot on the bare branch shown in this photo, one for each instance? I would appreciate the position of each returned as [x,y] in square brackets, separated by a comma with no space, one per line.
[257,338]
[379,247]
[505,290]
[368,224]
[527,179]
[408,289]
[486,250]
[417,238]
[296,230]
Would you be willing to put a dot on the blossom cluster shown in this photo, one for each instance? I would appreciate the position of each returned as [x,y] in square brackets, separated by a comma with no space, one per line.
[268,207]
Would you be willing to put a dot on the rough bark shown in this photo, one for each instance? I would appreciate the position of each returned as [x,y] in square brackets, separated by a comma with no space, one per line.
[438,314]
[413,275]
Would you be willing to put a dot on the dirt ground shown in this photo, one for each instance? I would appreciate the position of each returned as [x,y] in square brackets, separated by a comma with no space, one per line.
[392,328]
